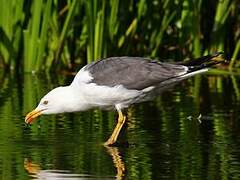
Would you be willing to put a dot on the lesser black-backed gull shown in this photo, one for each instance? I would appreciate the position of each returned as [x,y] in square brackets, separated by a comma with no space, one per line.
[117,82]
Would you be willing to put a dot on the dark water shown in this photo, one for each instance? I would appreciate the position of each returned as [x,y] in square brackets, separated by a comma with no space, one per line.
[190,132]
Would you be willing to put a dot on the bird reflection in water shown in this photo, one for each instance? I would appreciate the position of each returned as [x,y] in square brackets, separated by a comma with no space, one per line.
[117,161]
[36,172]
[31,168]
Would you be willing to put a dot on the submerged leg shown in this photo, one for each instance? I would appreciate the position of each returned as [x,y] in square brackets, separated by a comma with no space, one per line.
[116,131]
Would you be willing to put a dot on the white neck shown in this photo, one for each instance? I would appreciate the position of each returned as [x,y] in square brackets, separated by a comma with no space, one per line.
[75,100]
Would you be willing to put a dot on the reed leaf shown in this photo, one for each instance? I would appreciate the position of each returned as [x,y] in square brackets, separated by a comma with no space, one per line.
[219,32]
[158,35]
[129,32]
[190,30]
[113,19]
[31,40]
[235,86]
[43,35]
[91,11]
[11,19]
[34,32]
[95,23]
[66,26]
[99,32]
[235,55]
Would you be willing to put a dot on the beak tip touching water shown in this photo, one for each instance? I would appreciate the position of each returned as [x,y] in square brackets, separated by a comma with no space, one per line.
[28,120]
[32,115]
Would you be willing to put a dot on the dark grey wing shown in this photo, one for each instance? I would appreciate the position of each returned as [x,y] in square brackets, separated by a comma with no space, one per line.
[132,72]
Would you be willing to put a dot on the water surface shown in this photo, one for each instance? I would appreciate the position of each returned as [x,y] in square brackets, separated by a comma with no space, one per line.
[190,132]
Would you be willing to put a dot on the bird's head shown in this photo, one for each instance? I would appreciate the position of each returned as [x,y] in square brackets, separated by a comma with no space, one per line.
[58,100]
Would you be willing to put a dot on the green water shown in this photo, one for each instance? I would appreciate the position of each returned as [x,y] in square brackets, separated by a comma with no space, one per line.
[190,132]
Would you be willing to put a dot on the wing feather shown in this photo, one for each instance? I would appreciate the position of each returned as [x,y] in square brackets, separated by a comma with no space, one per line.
[132,72]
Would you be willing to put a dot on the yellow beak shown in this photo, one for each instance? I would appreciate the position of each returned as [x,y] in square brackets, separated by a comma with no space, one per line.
[32,115]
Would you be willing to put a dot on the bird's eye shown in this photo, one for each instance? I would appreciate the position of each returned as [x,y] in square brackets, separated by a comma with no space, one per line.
[45,102]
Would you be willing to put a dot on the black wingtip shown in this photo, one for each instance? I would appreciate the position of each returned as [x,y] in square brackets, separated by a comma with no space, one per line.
[217,56]
[207,61]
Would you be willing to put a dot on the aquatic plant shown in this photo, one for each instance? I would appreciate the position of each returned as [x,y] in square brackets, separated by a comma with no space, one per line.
[48,34]
[11,22]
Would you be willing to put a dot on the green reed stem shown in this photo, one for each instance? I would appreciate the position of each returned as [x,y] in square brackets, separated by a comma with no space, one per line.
[31,41]
[91,11]
[43,35]
[11,19]
[66,26]
[235,55]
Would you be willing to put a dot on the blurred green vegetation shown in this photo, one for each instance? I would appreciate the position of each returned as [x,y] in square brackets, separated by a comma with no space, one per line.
[49,34]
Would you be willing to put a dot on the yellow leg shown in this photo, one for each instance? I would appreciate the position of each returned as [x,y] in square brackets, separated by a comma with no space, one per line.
[116,131]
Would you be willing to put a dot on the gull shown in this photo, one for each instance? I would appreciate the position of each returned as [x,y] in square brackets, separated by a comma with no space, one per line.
[118,82]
